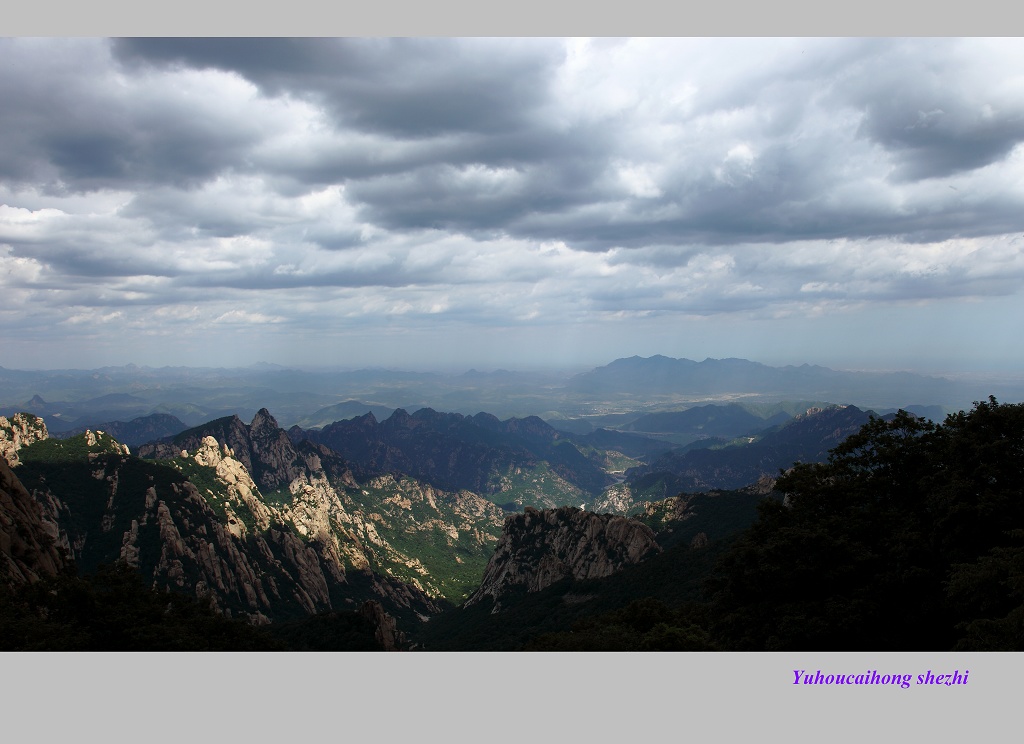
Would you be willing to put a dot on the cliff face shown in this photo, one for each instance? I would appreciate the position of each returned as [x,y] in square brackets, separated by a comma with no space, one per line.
[28,536]
[386,631]
[538,548]
[30,544]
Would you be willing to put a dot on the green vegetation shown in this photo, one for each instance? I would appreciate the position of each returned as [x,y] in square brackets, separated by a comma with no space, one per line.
[277,498]
[453,571]
[73,449]
[203,477]
[414,530]
[908,538]
[538,486]
[616,462]
[214,490]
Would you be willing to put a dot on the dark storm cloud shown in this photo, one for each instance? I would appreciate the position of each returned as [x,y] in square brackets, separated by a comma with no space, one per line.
[478,199]
[70,123]
[409,88]
[474,136]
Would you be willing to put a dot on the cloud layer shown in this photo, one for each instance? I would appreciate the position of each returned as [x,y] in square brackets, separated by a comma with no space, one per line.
[182,200]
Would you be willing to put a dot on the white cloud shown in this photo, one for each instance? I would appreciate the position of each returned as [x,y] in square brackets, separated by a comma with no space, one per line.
[244,317]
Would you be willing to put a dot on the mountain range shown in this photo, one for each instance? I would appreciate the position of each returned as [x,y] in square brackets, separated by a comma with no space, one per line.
[275,525]
[439,530]
[629,387]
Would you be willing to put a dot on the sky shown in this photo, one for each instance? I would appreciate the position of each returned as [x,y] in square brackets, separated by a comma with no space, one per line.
[446,203]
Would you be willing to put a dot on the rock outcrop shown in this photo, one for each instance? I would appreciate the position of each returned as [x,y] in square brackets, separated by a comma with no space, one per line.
[28,536]
[226,543]
[21,430]
[386,631]
[538,548]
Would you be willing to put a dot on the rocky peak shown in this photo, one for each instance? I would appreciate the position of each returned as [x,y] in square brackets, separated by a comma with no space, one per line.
[486,420]
[400,417]
[104,441]
[368,419]
[263,424]
[21,430]
[211,453]
[539,547]
[531,425]
[240,486]
[262,447]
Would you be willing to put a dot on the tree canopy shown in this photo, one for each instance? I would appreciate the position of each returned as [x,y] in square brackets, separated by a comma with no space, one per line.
[910,537]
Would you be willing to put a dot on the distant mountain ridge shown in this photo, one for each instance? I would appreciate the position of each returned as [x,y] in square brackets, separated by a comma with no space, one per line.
[477,453]
[579,403]
[135,432]
[806,438]
[661,375]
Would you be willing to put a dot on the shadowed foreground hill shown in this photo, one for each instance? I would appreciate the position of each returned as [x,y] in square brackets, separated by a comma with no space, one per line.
[911,537]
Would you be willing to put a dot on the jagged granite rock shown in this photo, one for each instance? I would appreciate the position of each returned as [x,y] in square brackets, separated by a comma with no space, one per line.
[21,430]
[240,485]
[28,536]
[229,546]
[538,548]
[386,630]
[382,523]
[617,499]
[100,440]
[271,458]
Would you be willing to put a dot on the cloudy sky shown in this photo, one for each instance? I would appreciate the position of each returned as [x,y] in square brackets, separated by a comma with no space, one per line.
[446,203]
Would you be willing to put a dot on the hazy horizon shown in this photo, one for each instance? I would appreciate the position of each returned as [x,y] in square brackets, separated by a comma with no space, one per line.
[564,370]
[537,203]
